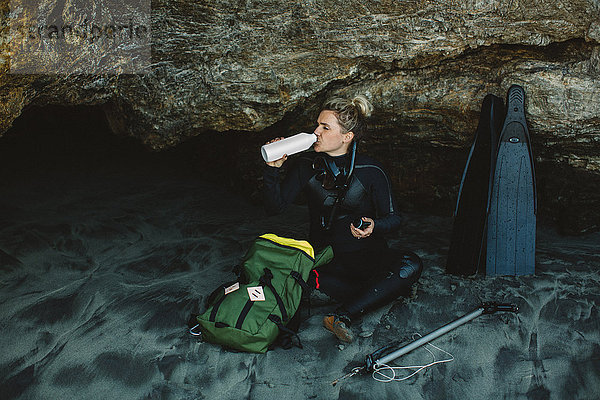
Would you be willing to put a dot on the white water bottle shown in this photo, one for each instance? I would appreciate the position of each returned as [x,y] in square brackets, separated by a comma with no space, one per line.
[290,145]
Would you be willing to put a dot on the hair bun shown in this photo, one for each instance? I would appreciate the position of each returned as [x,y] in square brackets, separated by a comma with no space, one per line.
[363,105]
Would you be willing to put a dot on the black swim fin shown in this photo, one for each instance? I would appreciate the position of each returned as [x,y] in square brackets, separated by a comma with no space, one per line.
[511,220]
[467,248]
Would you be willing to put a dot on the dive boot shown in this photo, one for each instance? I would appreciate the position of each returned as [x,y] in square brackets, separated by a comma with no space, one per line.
[339,326]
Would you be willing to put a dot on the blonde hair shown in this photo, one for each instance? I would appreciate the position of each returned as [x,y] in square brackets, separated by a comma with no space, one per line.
[351,113]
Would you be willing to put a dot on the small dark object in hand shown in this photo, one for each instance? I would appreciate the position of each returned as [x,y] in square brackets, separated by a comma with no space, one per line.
[360,224]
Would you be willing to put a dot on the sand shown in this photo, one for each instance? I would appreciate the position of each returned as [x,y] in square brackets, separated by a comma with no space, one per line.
[100,269]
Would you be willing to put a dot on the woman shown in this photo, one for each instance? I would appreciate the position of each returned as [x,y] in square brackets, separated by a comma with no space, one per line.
[345,189]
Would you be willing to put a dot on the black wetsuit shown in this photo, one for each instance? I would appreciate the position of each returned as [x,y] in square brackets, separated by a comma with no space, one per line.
[364,273]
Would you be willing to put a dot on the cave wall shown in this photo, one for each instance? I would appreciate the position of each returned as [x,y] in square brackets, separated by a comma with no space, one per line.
[253,68]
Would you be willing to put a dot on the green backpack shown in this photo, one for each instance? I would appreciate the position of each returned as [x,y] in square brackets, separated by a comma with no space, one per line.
[249,314]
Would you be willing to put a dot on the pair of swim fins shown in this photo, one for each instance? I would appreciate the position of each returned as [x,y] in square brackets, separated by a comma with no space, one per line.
[495,216]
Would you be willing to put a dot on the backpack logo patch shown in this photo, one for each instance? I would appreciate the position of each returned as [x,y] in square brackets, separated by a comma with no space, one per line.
[232,288]
[256,293]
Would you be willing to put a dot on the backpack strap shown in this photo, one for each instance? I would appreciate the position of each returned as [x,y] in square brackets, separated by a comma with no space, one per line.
[213,312]
[244,314]
[286,334]
[265,280]
[305,286]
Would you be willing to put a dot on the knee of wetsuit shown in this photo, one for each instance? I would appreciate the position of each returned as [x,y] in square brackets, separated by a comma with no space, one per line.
[410,266]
